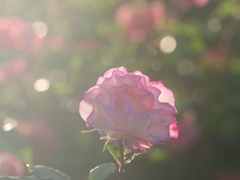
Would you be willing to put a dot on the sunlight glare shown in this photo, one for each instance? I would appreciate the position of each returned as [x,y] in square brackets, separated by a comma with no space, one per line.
[168,44]
[40,28]
[41,85]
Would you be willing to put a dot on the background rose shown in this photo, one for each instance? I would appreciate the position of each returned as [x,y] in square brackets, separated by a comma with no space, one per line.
[10,165]
[140,19]
[126,105]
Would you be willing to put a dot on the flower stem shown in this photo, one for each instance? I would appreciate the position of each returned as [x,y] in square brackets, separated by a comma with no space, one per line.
[121,165]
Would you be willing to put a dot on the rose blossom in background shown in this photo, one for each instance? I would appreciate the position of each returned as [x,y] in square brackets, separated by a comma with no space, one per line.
[232,175]
[186,5]
[88,44]
[16,67]
[126,105]
[10,165]
[137,21]
[216,58]
[39,133]
[18,35]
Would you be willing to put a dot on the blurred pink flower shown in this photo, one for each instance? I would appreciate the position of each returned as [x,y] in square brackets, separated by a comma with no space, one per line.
[188,4]
[233,175]
[16,67]
[56,43]
[126,105]
[138,21]
[18,35]
[215,57]
[88,44]
[10,165]
[40,134]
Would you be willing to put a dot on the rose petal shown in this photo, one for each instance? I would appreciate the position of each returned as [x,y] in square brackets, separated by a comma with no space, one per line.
[93,92]
[120,71]
[159,128]
[144,80]
[85,109]
[160,134]
[115,116]
[173,130]
[137,125]
[130,80]
[105,125]
[138,144]
[166,94]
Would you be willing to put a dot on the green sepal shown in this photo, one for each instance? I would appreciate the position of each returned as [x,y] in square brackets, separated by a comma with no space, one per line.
[88,131]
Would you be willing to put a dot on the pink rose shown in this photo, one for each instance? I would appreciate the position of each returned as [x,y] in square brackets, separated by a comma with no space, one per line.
[10,165]
[138,20]
[126,105]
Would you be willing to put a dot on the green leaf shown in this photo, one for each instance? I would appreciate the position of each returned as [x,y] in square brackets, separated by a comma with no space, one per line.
[44,172]
[102,171]
[113,149]
[29,178]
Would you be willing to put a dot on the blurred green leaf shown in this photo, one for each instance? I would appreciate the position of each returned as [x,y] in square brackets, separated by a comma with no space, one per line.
[224,10]
[44,172]
[12,142]
[64,90]
[102,171]
[75,62]
[235,66]
[157,155]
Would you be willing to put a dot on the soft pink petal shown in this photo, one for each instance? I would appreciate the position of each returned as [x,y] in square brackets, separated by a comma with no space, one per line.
[167,116]
[157,118]
[120,71]
[130,80]
[173,130]
[166,94]
[137,125]
[131,100]
[85,109]
[113,80]
[115,116]
[160,134]
[105,125]
[144,80]
[159,129]
[138,144]
[105,96]
[156,93]
[93,92]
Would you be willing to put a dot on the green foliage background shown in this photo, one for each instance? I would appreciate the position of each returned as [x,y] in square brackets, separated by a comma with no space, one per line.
[208,85]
